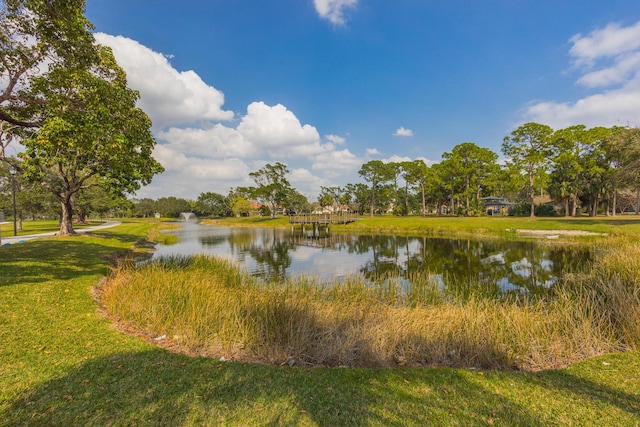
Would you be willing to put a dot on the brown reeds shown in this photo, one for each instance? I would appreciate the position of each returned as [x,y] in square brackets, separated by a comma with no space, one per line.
[206,306]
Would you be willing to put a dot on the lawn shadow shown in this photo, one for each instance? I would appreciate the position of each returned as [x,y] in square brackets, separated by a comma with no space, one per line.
[60,258]
[569,384]
[156,387]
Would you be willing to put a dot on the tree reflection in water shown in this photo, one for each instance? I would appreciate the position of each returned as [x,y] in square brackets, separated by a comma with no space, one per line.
[458,265]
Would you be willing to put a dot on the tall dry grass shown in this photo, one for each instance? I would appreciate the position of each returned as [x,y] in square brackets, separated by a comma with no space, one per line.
[206,306]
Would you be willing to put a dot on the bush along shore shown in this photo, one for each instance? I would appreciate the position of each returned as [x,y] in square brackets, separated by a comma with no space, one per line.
[63,363]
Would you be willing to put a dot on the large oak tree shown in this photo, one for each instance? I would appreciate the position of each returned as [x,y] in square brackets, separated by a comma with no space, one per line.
[66,100]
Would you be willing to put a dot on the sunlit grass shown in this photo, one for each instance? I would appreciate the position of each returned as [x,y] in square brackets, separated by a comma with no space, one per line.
[158,234]
[63,364]
[39,226]
[497,226]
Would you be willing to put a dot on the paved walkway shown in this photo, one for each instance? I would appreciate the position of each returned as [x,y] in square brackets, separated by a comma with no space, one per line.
[19,239]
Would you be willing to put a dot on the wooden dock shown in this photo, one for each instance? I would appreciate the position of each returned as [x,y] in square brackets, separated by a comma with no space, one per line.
[317,220]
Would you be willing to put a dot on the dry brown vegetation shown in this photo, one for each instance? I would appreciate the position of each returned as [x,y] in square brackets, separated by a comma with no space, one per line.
[206,306]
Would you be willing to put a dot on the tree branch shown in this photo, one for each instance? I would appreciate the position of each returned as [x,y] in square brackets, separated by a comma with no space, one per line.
[9,119]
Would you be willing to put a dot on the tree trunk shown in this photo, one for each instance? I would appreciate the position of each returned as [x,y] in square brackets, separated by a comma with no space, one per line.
[66,219]
[566,206]
[406,200]
[372,202]
[574,208]
[615,201]
[533,206]
[638,203]
[423,201]
[466,193]
[533,193]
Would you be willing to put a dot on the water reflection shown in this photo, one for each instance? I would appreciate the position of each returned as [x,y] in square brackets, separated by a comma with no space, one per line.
[276,254]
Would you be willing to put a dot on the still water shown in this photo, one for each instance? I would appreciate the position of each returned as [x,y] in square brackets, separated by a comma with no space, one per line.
[275,254]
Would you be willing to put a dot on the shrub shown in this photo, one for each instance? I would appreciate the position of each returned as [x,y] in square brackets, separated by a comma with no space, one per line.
[524,209]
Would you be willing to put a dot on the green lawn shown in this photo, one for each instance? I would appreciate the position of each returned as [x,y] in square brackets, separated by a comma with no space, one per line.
[62,363]
[502,226]
[37,227]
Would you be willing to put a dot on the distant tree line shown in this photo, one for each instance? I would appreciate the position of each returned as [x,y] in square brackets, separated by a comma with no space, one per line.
[575,170]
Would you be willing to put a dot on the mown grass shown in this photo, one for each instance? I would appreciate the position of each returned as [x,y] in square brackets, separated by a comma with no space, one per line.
[62,363]
[157,234]
[498,226]
[39,226]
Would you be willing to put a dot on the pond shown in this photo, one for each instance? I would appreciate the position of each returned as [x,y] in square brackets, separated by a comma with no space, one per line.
[275,254]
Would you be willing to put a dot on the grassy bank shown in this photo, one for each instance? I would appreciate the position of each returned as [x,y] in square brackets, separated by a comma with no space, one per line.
[504,227]
[38,226]
[62,363]
[206,306]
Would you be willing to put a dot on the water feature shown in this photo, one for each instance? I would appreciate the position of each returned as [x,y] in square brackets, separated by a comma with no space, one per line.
[188,216]
[275,254]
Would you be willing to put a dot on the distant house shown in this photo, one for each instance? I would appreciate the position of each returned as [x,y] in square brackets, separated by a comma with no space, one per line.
[332,209]
[497,205]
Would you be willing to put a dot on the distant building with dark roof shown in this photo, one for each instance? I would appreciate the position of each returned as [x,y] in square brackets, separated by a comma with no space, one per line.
[497,205]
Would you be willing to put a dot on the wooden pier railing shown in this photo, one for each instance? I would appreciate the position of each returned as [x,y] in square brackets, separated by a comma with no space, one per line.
[323,219]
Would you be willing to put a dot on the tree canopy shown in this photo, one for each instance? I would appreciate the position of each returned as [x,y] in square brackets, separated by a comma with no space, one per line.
[527,148]
[272,185]
[68,103]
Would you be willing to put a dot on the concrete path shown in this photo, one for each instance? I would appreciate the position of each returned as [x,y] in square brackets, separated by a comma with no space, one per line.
[19,239]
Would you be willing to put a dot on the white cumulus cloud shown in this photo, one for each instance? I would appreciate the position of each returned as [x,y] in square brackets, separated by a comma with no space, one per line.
[333,10]
[610,41]
[215,142]
[168,96]
[187,176]
[307,183]
[335,139]
[401,131]
[278,131]
[608,59]
[200,146]
[337,162]
[397,159]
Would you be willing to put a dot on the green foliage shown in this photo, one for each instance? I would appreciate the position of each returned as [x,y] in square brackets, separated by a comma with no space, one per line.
[377,174]
[241,207]
[468,168]
[212,204]
[524,209]
[527,149]
[265,211]
[33,32]
[144,208]
[171,207]
[84,128]
[272,186]
[297,202]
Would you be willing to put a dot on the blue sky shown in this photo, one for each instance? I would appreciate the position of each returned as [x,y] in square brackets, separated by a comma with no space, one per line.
[327,85]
